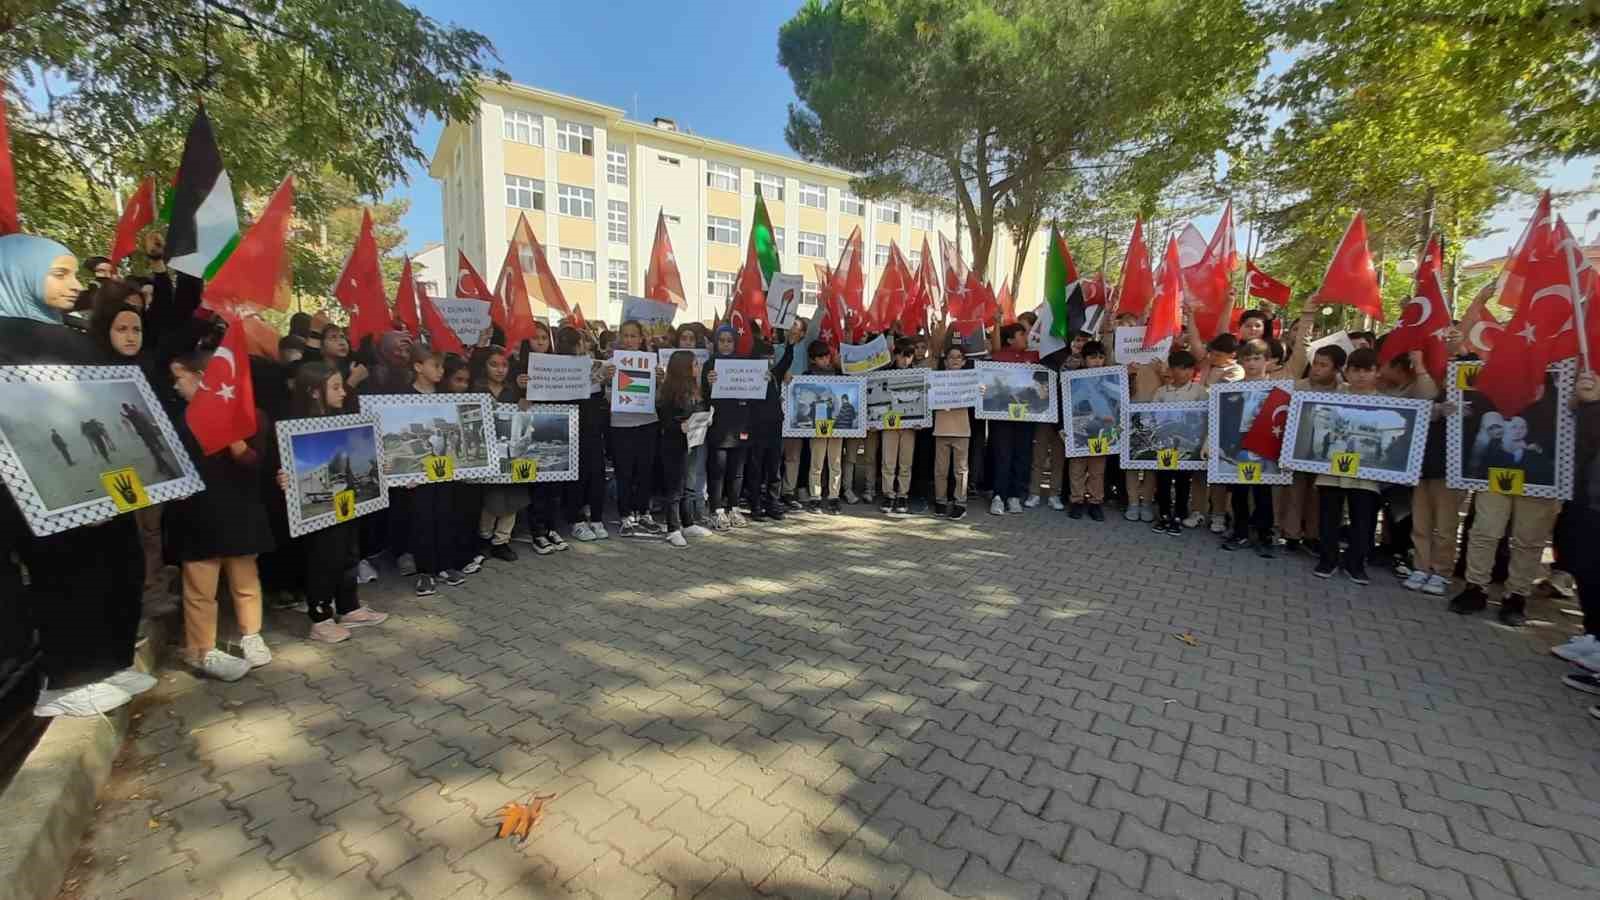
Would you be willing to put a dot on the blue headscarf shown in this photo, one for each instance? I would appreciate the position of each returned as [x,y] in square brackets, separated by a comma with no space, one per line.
[24,262]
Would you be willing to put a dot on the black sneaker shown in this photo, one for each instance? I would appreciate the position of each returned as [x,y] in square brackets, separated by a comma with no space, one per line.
[1472,599]
[957,511]
[776,514]
[792,503]
[902,507]
[503,552]
[554,537]
[543,547]
[425,586]
[1358,575]
[1583,681]
[453,577]
[886,504]
[941,509]
[1096,513]
[833,508]
[1160,526]
[814,507]
[1292,545]
[1236,543]
[1175,526]
[1513,610]
[628,528]
[1324,570]
[1075,511]
[1265,551]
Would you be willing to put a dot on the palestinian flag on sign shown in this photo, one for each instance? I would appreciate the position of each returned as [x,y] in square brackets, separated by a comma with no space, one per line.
[633,382]
[204,221]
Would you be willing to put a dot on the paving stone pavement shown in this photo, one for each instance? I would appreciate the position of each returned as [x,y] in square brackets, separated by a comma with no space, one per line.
[866,707]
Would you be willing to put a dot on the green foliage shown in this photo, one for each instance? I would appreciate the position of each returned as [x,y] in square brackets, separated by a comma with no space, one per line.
[1005,104]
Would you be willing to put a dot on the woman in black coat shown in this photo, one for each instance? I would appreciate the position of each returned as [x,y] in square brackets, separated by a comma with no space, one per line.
[84,584]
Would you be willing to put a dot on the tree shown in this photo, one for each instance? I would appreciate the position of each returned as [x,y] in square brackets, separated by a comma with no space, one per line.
[313,88]
[999,103]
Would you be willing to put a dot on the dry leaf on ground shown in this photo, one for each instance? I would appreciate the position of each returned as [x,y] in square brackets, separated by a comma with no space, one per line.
[518,819]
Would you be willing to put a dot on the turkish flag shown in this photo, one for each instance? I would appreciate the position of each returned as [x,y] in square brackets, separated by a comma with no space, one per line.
[1426,319]
[256,273]
[891,292]
[224,410]
[1351,278]
[927,272]
[1265,437]
[1538,240]
[140,211]
[748,315]
[1007,304]
[849,286]
[661,279]
[955,274]
[1166,314]
[1514,375]
[469,283]
[831,309]
[441,336]
[1582,273]
[1138,284]
[512,309]
[8,177]
[405,301]
[1480,329]
[1094,290]
[539,278]
[359,288]
[1265,286]
[1208,284]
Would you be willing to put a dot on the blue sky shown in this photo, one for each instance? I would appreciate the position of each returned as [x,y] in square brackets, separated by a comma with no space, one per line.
[713,66]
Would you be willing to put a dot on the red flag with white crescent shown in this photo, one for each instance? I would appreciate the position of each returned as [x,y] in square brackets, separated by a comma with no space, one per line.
[1265,286]
[1265,437]
[469,283]
[1425,322]
[224,410]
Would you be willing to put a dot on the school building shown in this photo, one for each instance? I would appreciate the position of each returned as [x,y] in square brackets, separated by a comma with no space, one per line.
[591,182]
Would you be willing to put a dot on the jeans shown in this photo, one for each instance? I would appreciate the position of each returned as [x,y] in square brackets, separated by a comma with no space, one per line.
[725,469]
[1331,502]
[694,483]
[1245,518]
[634,452]
[674,460]
[763,477]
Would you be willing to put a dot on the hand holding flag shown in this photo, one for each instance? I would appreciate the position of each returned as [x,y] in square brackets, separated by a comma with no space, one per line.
[224,410]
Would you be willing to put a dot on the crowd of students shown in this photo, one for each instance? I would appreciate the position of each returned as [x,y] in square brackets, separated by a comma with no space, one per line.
[744,471]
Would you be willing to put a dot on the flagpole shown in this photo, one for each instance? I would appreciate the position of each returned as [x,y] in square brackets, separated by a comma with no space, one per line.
[1580,318]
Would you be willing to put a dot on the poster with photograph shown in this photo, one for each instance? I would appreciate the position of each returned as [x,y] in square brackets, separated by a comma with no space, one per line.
[1340,339]
[82,444]
[896,399]
[701,354]
[633,384]
[741,379]
[1234,407]
[1527,455]
[954,389]
[1357,436]
[859,359]
[335,469]
[1016,392]
[823,406]
[783,299]
[1164,436]
[434,437]
[654,316]
[1092,404]
[1130,346]
[554,378]
[535,445]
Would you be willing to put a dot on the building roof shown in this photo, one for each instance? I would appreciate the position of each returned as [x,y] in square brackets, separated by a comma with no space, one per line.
[1591,254]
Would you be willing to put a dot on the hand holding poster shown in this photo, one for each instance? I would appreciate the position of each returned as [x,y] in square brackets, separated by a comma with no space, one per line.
[740,379]
[1130,347]
[633,386]
[859,359]
[552,377]
[1340,339]
[783,299]
[700,356]
[953,389]
[467,317]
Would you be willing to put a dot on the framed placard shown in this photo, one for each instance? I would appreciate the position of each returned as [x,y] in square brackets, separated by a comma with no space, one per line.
[1528,455]
[83,444]
[335,469]
[535,445]
[1164,436]
[1016,392]
[896,399]
[823,406]
[429,438]
[1356,436]
[1234,407]
[1091,403]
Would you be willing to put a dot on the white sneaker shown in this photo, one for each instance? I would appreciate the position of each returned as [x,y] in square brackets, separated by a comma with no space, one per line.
[1147,513]
[697,531]
[365,573]
[997,506]
[676,539]
[407,564]
[474,565]
[1219,523]
[1194,520]
[737,519]
[255,650]
[1056,504]
[1013,505]
[720,520]
[1132,512]
[1582,647]
[583,532]
[1437,586]
[850,496]
[132,680]
[600,532]
[1032,501]
[223,666]
[89,700]
[1417,580]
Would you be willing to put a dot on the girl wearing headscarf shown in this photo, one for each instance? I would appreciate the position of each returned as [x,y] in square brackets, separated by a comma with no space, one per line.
[84,584]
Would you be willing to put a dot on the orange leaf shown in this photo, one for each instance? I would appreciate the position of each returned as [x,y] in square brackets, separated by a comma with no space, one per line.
[518,819]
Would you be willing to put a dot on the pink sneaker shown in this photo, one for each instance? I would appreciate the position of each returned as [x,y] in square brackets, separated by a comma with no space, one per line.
[329,632]
[362,616]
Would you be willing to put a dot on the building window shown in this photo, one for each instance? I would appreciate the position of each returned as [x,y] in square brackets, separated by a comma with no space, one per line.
[617,165]
[808,294]
[777,238]
[914,258]
[770,186]
[521,193]
[617,279]
[880,255]
[575,137]
[577,264]
[813,243]
[851,205]
[921,218]
[840,243]
[721,230]
[719,284]
[522,127]
[813,195]
[669,160]
[889,212]
[721,177]
[617,221]
[572,200]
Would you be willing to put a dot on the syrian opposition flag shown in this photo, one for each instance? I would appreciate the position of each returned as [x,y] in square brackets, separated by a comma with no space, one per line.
[359,287]
[662,280]
[204,223]
[1138,285]
[1351,278]
[1426,319]
[140,212]
[1166,313]
[224,410]
[764,242]
[1265,286]
[1265,436]
[469,283]
[9,223]
[1059,276]
[256,272]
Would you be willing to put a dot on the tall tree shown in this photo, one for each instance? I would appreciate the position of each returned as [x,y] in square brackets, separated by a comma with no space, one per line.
[997,102]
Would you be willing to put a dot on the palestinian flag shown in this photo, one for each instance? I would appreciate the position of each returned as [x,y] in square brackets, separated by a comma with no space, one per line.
[1061,289]
[764,241]
[633,382]
[204,224]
